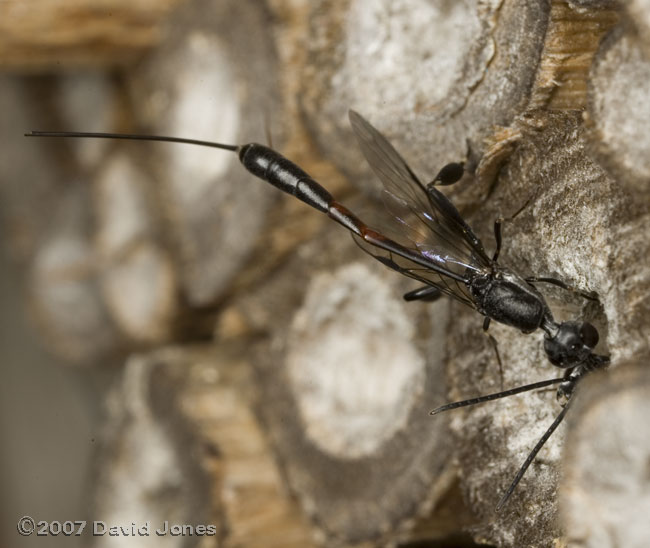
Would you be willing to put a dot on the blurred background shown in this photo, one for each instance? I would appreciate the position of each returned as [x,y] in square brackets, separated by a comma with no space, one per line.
[182,344]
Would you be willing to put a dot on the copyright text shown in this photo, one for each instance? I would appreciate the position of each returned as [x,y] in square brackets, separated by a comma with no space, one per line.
[28,526]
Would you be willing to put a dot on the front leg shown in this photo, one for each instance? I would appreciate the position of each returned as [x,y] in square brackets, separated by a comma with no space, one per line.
[571,378]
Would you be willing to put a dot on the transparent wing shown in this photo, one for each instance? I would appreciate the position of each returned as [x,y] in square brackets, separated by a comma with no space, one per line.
[449,286]
[421,219]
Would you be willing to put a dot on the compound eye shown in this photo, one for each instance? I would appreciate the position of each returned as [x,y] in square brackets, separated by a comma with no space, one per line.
[589,335]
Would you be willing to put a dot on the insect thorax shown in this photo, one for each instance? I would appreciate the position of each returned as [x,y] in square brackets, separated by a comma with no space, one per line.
[507,298]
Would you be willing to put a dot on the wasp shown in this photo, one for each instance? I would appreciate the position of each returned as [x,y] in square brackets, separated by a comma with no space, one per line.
[429,241]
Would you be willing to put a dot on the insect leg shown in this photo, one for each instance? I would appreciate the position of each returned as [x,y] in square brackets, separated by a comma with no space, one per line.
[267,129]
[486,326]
[427,293]
[559,283]
[497,228]
[532,456]
[453,172]
[449,174]
[497,237]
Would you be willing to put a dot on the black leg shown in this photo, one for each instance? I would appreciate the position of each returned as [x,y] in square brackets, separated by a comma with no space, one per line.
[559,283]
[426,293]
[497,228]
[497,237]
[449,174]
[496,351]
[267,129]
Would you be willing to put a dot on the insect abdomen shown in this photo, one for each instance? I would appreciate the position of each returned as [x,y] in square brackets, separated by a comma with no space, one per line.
[271,166]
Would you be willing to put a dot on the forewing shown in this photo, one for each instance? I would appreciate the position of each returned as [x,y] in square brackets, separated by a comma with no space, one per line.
[427,221]
[386,162]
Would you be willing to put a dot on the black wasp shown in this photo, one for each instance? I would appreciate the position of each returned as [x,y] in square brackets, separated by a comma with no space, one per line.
[431,243]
